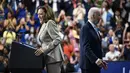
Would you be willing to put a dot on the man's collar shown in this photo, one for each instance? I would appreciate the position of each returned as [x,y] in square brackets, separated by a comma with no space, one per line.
[92,24]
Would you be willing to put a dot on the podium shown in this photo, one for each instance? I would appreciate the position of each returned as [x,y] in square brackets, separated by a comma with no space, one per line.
[23,60]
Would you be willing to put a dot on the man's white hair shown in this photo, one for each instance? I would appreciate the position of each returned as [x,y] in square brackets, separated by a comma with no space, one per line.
[92,11]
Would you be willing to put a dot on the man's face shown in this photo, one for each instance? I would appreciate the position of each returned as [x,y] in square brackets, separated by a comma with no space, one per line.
[41,14]
[97,17]
[111,48]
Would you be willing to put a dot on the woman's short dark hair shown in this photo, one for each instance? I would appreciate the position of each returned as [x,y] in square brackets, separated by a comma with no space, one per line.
[49,14]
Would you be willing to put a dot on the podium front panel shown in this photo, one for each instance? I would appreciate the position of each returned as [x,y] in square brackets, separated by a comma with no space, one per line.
[22,56]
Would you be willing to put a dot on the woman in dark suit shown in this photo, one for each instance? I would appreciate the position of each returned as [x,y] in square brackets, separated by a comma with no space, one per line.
[49,40]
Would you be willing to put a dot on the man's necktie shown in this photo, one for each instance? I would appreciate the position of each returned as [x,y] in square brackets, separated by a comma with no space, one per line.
[97,31]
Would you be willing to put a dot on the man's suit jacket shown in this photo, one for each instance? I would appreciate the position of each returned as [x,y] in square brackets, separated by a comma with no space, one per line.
[90,47]
[49,39]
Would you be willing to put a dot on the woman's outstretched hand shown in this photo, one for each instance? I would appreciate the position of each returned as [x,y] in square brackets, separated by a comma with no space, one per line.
[39,51]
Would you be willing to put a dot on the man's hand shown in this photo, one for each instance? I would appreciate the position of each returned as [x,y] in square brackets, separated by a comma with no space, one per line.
[39,52]
[102,64]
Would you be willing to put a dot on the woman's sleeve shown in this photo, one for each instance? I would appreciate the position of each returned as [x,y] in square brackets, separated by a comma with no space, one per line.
[53,31]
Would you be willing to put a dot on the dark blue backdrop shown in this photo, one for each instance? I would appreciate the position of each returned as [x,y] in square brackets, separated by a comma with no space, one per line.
[117,67]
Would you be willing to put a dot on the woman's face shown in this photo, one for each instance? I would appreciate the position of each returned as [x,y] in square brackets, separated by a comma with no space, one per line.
[110,32]
[117,13]
[116,42]
[104,4]
[41,15]
[9,15]
[22,21]
[77,54]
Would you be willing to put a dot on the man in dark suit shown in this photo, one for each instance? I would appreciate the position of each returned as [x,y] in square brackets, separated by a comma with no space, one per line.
[90,44]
